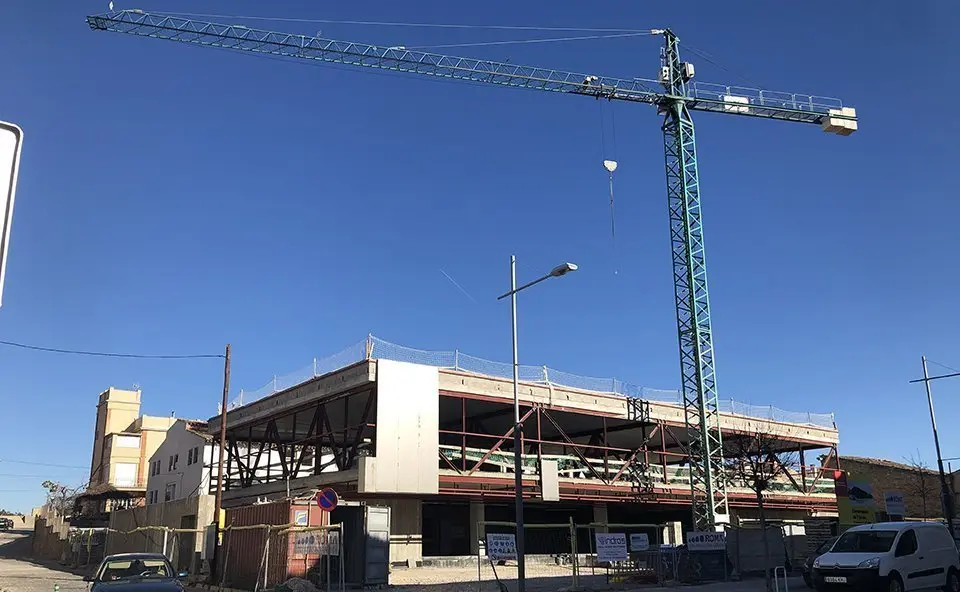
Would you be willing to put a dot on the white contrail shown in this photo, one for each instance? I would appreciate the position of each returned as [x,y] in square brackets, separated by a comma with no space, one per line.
[459,287]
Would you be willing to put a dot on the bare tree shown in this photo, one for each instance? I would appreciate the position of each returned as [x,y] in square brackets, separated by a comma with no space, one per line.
[60,497]
[756,461]
[923,484]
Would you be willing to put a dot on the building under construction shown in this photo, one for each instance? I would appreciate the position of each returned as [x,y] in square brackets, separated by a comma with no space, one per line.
[430,434]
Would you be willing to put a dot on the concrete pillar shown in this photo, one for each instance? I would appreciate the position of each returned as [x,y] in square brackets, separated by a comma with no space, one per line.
[673,533]
[477,531]
[600,516]
[406,531]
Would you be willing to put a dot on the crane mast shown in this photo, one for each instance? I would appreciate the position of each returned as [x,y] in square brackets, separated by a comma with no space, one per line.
[674,94]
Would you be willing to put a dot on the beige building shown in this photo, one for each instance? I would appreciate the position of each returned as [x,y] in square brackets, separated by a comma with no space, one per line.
[123,442]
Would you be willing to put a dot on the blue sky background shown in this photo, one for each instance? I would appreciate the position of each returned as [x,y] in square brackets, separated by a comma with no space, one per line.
[173,199]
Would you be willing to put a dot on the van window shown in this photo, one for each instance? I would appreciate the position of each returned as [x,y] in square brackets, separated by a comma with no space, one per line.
[866,541]
[907,545]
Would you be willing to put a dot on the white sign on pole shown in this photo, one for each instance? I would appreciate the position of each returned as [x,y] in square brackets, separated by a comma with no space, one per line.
[706,541]
[501,546]
[316,543]
[639,541]
[11,137]
[895,504]
[611,546]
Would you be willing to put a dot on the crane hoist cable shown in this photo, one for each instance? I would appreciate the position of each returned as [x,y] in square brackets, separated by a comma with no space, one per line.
[610,164]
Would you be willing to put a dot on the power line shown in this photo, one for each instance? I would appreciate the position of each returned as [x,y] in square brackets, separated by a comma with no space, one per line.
[950,368]
[57,350]
[40,464]
[401,24]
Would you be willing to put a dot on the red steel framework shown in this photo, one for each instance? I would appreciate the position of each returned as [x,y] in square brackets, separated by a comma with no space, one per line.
[329,435]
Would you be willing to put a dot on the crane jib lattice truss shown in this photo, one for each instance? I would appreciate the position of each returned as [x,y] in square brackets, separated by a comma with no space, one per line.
[673,93]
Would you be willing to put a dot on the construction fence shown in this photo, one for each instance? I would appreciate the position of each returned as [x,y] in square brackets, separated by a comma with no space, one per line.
[376,348]
[255,557]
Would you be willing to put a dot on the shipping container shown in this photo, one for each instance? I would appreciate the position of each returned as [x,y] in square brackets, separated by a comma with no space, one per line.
[245,551]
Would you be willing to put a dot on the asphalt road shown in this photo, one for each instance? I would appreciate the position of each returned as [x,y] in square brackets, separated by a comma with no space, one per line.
[19,574]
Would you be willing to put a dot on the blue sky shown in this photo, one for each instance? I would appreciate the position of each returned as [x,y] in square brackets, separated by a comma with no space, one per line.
[173,199]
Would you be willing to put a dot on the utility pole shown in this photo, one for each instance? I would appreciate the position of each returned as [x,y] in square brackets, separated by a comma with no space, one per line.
[218,502]
[946,498]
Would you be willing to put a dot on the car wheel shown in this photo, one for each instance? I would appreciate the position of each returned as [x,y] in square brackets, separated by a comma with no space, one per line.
[896,584]
[953,581]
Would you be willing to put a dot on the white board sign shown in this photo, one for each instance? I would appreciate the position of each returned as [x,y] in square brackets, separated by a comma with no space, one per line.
[639,541]
[501,546]
[316,543]
[895,504]
[706,541]
[611,546]
[11,138]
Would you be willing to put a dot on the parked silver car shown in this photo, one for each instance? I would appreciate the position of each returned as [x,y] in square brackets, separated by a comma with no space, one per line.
[135,572]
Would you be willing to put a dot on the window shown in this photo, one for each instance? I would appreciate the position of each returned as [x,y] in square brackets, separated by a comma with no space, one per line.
[176,459]
[125,474]
[193,455]
[865,541]
[907,545]
[155,468]
[170,492]
[170,465]
[128,441]
[152,496]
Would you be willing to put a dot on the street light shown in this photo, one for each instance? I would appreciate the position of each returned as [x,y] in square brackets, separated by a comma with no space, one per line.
[558,271]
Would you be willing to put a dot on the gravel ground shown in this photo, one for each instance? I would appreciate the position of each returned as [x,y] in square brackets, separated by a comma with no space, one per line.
[18,574]
[544,578]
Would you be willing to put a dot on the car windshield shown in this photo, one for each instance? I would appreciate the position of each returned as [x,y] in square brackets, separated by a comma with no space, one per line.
[865,541]
[127,569]
[826,546]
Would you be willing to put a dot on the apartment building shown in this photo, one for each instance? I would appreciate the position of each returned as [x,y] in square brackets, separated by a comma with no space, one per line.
[182,465]
[123,441]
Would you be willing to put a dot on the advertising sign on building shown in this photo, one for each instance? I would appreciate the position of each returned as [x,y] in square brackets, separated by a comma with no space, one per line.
[855,502]
[706,541]
[611,546]
[639,542]
[893,500]
[501,546]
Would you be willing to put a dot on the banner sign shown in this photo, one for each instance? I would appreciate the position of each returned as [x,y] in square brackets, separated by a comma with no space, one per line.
[501,546]
[706,541]
[611,546]
[316,543]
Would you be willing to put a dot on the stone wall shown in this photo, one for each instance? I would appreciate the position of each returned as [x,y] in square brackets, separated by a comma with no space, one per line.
[920,489]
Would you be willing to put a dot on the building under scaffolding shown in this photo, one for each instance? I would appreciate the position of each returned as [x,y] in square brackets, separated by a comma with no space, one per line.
[431,435]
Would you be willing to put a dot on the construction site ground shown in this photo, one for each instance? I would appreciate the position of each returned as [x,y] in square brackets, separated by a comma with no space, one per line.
[19,573]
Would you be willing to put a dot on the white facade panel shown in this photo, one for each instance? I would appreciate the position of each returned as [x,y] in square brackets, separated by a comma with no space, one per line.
[408,439]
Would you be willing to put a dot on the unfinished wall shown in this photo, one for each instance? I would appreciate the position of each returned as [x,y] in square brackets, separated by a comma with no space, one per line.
[194,513]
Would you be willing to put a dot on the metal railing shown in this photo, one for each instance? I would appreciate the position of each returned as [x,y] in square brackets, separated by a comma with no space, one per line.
[373,348]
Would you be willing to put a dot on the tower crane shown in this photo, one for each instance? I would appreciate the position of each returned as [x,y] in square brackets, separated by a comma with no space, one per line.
[673,93]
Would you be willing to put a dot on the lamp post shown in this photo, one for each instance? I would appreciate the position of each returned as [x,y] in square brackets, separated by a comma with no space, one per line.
[558,271]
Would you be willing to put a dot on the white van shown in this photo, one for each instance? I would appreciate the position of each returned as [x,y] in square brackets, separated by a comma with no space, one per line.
[890,556]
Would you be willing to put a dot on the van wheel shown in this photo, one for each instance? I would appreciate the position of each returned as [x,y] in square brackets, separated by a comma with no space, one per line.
[953,581]
[896,584]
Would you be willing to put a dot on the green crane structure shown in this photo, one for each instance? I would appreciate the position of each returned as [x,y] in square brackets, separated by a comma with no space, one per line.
[675,96]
